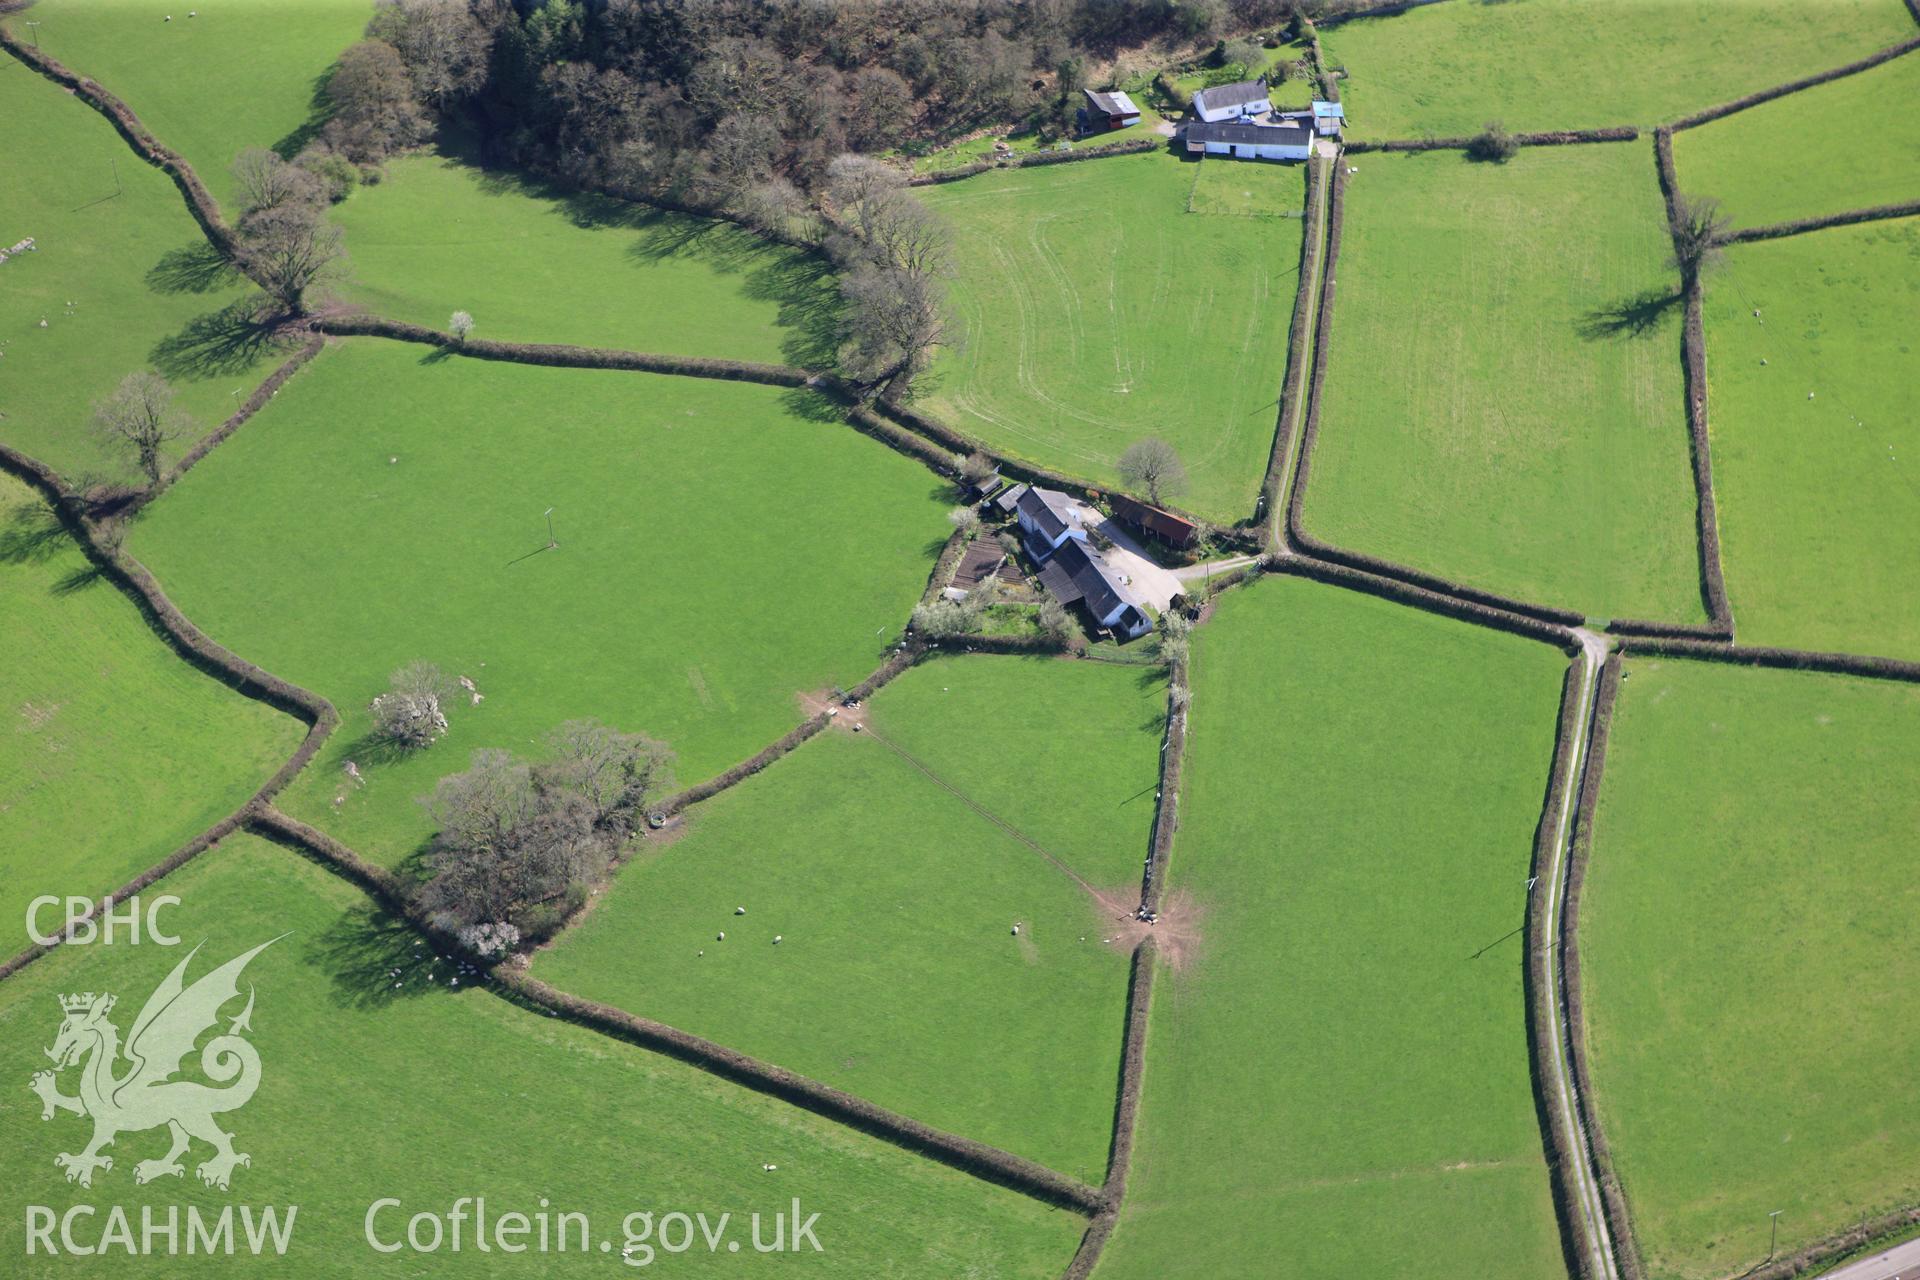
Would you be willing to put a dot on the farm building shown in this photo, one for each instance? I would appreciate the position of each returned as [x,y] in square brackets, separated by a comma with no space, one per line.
[1290,139]
[1328,118]
[1231,101]
[1048,518]
[1155,523]
[1078,574]
[1105,111]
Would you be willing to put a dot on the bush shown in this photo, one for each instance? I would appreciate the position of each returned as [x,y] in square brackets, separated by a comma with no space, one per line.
[1493,143]
[409,715]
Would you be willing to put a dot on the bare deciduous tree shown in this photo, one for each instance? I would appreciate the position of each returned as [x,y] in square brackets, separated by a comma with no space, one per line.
[1153,465]
[267,182]
[289,250]
[1697,235]
[460,324]
[139,417]
[443,44]
[374,109]
[976,467]
[894,320]
[516,839]
[616,774]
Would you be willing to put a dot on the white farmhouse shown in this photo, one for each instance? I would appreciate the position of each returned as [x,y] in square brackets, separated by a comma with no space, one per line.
[1231,101]
[1289,138]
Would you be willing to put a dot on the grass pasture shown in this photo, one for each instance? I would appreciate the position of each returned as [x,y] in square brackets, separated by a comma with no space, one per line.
[898,976]
[1096,311]
[1750,1006]
[1504,402]
[1814,451]
[533,264]
[244,73]
[720,551]
[121,276]
[96,705]
[1739,160]
[1338,1085]
[424,1093]
[1449,68]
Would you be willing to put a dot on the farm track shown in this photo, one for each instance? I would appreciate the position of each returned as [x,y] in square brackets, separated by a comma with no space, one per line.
[1102,1203]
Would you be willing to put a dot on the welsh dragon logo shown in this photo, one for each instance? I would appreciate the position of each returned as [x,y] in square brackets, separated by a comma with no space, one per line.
[146,1096]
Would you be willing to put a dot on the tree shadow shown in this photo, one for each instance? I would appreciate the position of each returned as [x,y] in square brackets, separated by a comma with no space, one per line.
[228,341]
[812,405]
[80,579]
[33,534]
[1632,318]
[807,293]
[319,111]
[194,268]
[376,958]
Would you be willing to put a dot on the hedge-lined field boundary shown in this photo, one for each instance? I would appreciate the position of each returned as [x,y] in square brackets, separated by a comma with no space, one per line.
[149,148]
[565,355]
[1126,1112]
[1840,664]
[1822,1254]
[965,1154]
[1626,1247]
[133,580]
[1335,574]
[1374,566]
[1562,1145]
[218,436]
[1754,99]
[316,735]
[898,663]
[1166,805]
[1777,230]
[1548,138]
[1370,9]
[1295,376]
[1036,159]
[1671,630]
[1693,362]
[175,627]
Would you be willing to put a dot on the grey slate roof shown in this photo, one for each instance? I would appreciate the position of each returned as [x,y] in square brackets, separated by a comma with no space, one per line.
[1048,509]
[1294,133]
[1094,579]
[1230,95]
[1009,498]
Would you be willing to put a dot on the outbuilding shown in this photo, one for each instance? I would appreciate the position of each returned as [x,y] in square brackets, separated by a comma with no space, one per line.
[1175,531]
[1231,101]
[1078,574]
[1291,139]
[1108,110]
[1329,118]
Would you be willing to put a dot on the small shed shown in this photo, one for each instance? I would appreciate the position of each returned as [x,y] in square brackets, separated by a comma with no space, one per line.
[1329,118]
[1108,110]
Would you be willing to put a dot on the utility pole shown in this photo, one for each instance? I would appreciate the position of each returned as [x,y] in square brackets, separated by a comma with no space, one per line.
[36,34]
[1773,1235]
[551,543]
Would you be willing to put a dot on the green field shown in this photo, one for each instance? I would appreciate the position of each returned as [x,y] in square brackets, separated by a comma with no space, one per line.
[1096,311]
[114,751]
[120,274]
[1504,403]
[898,976]
[534,264]
[1739,159]
[243,73]
[373,1088]
[1814,451]
[1749,999]
[1566,64]
[720,552]
[1338,1084]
